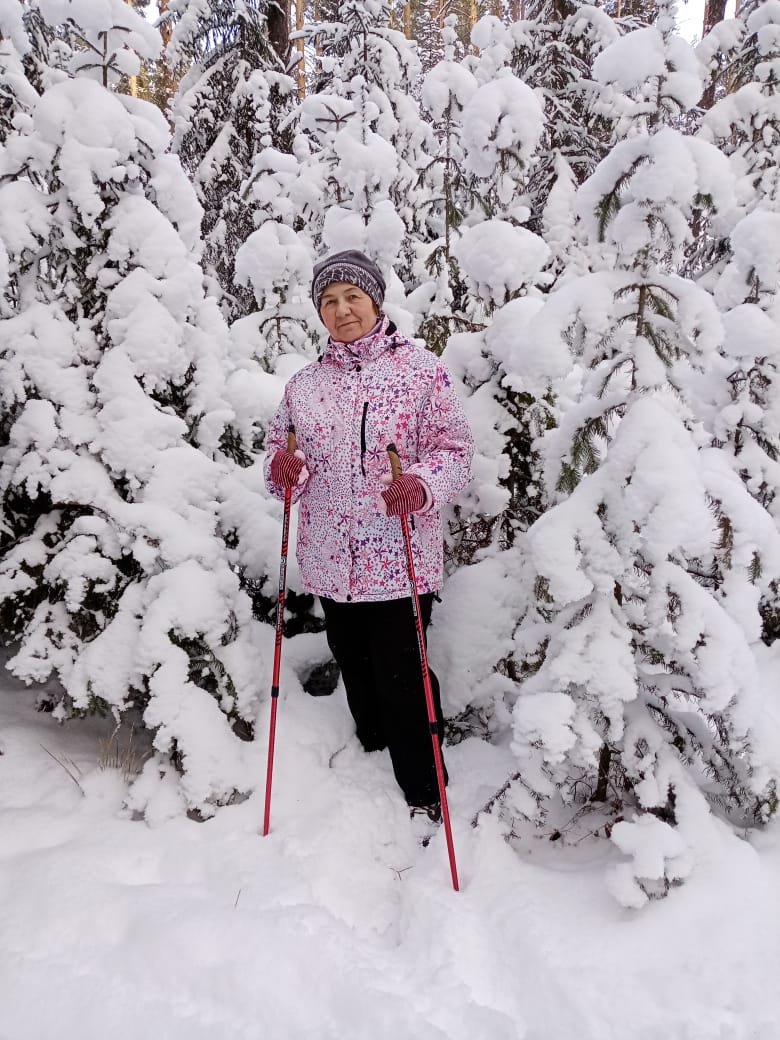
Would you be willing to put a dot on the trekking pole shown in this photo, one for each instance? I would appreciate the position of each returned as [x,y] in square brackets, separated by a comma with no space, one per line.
[395,469]
[278,643]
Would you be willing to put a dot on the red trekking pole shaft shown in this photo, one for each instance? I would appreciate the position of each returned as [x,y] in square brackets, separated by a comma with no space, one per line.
[395,469]
[269,773]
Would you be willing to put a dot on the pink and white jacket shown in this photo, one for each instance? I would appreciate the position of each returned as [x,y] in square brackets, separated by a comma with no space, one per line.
[346,408]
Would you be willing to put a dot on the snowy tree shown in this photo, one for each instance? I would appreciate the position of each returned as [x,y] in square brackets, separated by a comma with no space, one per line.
[448,199]
[231,104]
[426,20]
[480,262]
[17,95]
[716,51]
[367,142]
[501,126]
[559,228]
[745,123]
[741,396]
[105,44]
[649,569]
[500,262]
[275,262]
[123,519]
[552,50]
[742,405]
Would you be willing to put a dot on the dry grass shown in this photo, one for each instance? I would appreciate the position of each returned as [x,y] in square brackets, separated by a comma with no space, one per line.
[126,758]
[70,767]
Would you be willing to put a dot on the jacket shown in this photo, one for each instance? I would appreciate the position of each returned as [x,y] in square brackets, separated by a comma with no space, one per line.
[346,408]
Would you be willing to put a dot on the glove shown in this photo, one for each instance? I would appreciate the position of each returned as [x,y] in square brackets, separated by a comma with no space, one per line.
[407,494]
[288,470]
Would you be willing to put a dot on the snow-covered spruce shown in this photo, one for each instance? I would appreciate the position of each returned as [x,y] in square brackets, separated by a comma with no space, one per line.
[500,264]
[367,142]
[17,95]
[229,106]
[438,298]
[120,499]
[649,570]
[552,50]
[740,397]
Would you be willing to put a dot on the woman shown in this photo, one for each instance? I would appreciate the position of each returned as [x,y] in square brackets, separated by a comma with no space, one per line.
[370,388]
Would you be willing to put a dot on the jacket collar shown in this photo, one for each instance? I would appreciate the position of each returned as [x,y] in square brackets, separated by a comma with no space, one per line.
[368,348]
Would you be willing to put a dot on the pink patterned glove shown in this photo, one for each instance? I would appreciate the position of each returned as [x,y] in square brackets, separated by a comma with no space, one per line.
[407,494]
[288,469]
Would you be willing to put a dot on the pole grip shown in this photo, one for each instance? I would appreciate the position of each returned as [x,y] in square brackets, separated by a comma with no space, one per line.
[395,462]
[291,442]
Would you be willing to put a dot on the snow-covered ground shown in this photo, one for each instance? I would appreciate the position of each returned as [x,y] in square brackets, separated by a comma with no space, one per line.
[338,925]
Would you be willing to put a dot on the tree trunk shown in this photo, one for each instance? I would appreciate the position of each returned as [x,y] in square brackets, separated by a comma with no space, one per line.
[605,757]
[278,20]
[168,79]
[132,79]
[714,12]
[300,49]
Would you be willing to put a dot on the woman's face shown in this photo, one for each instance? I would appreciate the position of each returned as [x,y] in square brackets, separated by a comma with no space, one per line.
[347,312]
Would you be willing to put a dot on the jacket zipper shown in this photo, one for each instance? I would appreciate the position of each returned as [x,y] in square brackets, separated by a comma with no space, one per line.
[363,439]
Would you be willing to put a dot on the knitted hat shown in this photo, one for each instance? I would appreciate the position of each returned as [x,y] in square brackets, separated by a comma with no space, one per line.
[352,267]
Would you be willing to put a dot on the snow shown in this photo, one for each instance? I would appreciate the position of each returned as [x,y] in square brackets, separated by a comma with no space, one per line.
[653,845]
[445,84]
[476,606]
[669,172]
[725,36]
[379,236]
[755,246]
[546,718]
[12,26]
[337,925]
[499,258]
[749,332]
[270,252]
[101,147]
[116,36]
[637,59]
[502,117]
[512,340]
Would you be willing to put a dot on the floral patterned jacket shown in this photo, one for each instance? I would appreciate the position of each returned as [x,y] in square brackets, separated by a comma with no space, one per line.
[346,408]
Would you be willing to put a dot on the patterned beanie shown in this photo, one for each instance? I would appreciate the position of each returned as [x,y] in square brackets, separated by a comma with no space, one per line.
[352,267]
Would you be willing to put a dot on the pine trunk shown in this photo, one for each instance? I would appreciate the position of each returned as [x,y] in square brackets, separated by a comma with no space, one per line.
[301,78]
[279,29]
[714,12]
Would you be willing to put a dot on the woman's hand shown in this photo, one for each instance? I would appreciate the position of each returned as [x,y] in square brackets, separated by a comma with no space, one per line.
[288,469]
[406,494]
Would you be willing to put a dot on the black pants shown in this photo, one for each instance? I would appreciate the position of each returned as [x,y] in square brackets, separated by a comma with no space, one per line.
[375,646]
